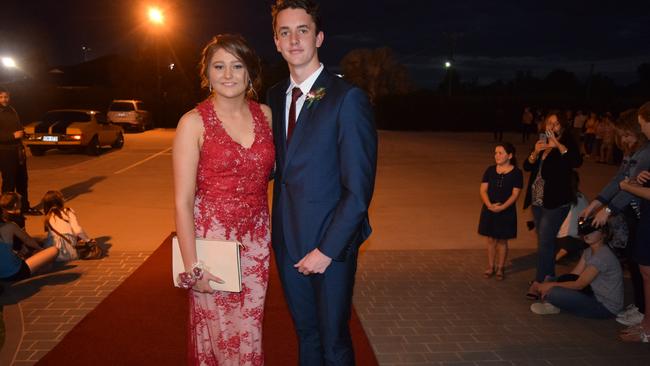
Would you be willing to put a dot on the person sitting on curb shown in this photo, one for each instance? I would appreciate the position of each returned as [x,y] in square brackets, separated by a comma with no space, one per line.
[10,205]
[12,267]
[568,241]
[64,231]
[593,289]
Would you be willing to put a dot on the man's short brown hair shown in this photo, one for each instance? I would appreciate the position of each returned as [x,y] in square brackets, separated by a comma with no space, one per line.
[308,6]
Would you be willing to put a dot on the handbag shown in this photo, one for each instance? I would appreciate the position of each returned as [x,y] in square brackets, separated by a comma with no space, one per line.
[89,249]
[72,247]
[221,257]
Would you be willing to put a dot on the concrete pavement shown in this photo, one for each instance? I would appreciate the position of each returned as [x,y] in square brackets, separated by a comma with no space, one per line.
[420,302]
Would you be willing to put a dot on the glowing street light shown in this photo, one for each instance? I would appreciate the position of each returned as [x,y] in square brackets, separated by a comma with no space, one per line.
[156,16]
[9,63]
[447,64]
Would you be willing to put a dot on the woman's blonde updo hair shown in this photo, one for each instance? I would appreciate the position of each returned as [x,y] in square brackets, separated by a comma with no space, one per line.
[236,45]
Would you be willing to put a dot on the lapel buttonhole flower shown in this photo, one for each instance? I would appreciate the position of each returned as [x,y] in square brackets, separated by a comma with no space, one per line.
[314,96]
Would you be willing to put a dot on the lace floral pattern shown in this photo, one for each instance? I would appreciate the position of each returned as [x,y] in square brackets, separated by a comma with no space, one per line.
[231,203]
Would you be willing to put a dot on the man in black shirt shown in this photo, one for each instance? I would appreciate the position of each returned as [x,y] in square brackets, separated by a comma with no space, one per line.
[13,162]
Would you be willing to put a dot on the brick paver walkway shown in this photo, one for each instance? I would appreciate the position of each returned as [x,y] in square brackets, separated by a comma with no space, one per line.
[417,307]
[52,304]
[434,308]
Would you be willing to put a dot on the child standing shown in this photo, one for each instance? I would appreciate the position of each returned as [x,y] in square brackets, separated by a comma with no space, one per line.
[499,191]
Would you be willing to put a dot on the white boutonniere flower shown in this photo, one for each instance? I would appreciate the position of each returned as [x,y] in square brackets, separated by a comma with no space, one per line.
[314,95]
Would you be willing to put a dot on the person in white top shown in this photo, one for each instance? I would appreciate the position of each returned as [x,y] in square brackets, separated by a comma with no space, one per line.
[62,227]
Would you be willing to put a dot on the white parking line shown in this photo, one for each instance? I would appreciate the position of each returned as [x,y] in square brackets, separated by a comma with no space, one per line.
[143,160]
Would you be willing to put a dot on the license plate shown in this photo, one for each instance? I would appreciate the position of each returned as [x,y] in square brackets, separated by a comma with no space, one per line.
[51,138]
[122,114]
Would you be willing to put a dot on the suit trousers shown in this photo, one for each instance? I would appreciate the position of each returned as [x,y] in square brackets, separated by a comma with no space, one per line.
[320,305]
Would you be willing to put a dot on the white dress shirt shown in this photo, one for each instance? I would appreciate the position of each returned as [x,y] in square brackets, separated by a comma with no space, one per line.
[305,87]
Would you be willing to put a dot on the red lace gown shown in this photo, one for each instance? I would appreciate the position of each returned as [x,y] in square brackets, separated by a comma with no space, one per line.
[231,204]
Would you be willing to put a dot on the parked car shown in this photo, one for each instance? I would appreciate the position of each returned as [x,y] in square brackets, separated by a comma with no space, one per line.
[80,129]
[130,114]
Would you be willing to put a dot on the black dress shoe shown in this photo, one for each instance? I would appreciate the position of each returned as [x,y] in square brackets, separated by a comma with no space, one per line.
[33,212]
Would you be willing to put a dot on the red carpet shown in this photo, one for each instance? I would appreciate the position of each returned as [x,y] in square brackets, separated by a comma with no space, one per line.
[143,322]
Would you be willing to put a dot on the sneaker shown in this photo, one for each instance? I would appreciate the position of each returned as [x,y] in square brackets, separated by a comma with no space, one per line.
[544,308]
[631,317]
[628,309]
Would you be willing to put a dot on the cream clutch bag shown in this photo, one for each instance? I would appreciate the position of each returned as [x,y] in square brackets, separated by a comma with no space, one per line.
[219,256]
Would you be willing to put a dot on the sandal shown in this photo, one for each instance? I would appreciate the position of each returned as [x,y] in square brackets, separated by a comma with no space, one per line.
[532,294]
[488,272]
[500,275]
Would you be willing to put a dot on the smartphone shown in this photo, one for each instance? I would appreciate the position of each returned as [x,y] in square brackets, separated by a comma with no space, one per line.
[543,138]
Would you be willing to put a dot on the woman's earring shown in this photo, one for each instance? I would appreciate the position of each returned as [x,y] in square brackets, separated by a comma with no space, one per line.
[210,87]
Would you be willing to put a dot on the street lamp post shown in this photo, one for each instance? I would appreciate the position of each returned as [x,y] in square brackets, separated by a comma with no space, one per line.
[448,66]
[10,64]
[157,18]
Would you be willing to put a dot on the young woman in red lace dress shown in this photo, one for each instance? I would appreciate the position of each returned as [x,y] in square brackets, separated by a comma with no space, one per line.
[223,156]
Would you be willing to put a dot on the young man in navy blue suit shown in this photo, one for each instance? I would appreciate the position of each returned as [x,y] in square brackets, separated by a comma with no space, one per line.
[326,157]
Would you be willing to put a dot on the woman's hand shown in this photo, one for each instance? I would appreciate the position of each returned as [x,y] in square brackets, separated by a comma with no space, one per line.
[589,209]
[552,140]
[540,146]
[544,288]
[643,177]
[203,285]
[600,219]
[497,207]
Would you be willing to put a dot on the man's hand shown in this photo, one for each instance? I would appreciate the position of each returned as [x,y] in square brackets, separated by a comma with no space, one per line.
[313,262]
[18,134]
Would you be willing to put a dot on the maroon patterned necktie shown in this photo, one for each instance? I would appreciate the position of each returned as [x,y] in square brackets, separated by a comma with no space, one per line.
[295,94]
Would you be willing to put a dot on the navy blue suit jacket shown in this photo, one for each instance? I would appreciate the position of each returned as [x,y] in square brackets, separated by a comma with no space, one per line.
[324,179]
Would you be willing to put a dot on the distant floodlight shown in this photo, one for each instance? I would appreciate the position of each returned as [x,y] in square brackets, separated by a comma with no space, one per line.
[447,64]
[171,66]
[8,62]
[156,15]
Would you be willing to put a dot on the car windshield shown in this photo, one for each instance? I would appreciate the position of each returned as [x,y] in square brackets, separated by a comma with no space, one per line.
[66,116]
[121,107]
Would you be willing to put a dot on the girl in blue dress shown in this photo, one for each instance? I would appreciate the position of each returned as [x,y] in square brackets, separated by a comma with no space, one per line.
[499,190]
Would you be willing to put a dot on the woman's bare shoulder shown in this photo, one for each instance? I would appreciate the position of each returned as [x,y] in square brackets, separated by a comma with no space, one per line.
[190,121]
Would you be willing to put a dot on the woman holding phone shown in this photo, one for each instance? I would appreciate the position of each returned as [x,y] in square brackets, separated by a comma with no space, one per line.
[551,164]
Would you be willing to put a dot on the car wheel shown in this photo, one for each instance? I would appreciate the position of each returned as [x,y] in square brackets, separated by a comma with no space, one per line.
[119,142]
[93,147]
[37,151]
[142,127]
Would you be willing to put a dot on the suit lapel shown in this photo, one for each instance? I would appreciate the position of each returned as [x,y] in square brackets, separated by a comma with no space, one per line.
[306,117]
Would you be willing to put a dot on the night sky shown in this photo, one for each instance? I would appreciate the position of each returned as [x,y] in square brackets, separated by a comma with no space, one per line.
[494,39]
